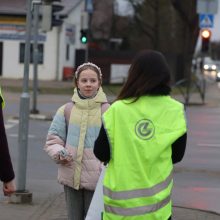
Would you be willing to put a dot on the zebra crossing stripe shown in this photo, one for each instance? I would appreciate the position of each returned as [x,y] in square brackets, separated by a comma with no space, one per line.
[11,123]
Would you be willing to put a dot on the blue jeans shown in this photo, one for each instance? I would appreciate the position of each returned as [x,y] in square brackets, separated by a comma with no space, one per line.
[77,202]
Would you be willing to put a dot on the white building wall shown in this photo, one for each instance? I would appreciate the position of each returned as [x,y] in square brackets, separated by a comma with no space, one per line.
[54,51]
[74,19]
[47,70]
[11,68]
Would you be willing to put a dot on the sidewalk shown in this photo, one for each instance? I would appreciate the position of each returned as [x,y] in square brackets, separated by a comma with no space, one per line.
[212,97]
[56,211]
[53,207]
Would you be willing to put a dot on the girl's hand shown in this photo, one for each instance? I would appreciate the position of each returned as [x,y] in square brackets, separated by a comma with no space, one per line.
[65,157]
[9,188]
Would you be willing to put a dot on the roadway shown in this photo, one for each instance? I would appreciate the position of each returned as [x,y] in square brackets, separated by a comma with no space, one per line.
[196,178]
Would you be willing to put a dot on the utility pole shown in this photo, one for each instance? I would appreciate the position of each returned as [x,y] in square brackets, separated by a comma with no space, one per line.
[85,33]
[35,56]
[88,11]
[22,195]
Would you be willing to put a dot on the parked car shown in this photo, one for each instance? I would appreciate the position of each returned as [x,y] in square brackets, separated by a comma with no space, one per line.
[209,67]
[209,64]
[218,76]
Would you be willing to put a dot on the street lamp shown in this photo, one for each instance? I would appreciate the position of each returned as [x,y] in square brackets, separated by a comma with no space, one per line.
[36,4]
[22,195]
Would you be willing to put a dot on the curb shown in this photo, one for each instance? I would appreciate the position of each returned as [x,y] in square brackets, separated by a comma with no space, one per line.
[53,208]
[196,210]
[44,209]
[184,213]
[36,117]
[40,117]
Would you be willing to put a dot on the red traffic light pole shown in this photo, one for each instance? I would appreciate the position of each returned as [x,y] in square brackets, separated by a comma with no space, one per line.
[205,35]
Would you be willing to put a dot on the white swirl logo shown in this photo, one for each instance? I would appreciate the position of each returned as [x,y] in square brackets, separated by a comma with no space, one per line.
[144,129]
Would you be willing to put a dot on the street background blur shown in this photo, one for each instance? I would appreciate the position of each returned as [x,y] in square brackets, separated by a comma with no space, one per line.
[196,178]
[41,44]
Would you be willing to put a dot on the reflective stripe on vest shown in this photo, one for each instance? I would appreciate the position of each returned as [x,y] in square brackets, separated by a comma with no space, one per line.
[137,210]
[131,194]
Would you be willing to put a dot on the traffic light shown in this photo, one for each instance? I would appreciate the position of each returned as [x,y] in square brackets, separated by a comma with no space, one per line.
[57,19]
[50,16]
[206,35]
[83,36]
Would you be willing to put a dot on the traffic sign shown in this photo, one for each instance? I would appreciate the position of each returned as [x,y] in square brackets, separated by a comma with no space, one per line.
[207,6]
[89,6]
[206,20]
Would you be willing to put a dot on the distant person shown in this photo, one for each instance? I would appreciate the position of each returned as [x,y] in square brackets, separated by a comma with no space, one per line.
[6,169]
[71,138]
[201,65]
[143,135]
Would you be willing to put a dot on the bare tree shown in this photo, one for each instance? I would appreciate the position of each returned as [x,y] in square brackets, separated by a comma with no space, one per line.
[170,26]
[189,23]
[101,21]
[215,50]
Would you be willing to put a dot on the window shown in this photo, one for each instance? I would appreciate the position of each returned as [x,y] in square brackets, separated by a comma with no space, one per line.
[40,53]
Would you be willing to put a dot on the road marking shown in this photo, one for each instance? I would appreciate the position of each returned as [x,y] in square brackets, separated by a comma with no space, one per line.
[208,145]
[16,135]
[11,123]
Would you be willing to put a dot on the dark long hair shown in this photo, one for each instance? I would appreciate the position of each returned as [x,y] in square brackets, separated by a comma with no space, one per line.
[148,74]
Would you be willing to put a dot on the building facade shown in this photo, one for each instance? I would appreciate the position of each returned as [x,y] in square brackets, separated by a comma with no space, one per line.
[56,47]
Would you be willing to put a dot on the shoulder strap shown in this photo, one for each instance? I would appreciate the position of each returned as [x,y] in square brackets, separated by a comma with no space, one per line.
[104,107]
[67,111]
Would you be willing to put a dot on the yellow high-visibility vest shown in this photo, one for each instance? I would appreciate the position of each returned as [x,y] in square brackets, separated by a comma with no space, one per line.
[138,180]
[3,101]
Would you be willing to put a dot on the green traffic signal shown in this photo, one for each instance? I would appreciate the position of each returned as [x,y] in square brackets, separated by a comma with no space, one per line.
[83,37]
[84,40]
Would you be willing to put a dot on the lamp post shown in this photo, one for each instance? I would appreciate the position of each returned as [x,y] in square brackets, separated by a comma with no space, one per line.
[88,11]
[22,195]
[34,109]
[205,35]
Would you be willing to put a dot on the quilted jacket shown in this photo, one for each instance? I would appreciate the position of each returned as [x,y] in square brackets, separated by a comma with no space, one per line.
[78,136]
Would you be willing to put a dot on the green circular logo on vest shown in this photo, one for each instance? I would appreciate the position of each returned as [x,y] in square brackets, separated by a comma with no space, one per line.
[144,129]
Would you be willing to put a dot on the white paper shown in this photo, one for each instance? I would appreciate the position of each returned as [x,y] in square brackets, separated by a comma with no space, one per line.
[97,205]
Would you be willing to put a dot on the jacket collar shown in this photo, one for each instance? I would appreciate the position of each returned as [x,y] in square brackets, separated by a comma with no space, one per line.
[99,98]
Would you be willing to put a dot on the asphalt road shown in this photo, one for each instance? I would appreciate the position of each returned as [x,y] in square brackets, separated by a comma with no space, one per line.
[196,178]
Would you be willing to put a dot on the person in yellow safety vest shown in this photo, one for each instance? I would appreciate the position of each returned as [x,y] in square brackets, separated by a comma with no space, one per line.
[6,169]
[143,134]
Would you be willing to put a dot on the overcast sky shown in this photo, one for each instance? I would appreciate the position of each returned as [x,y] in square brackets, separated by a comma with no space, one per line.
[124,8]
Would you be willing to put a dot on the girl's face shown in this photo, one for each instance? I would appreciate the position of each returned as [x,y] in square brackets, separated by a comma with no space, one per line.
[88,83]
